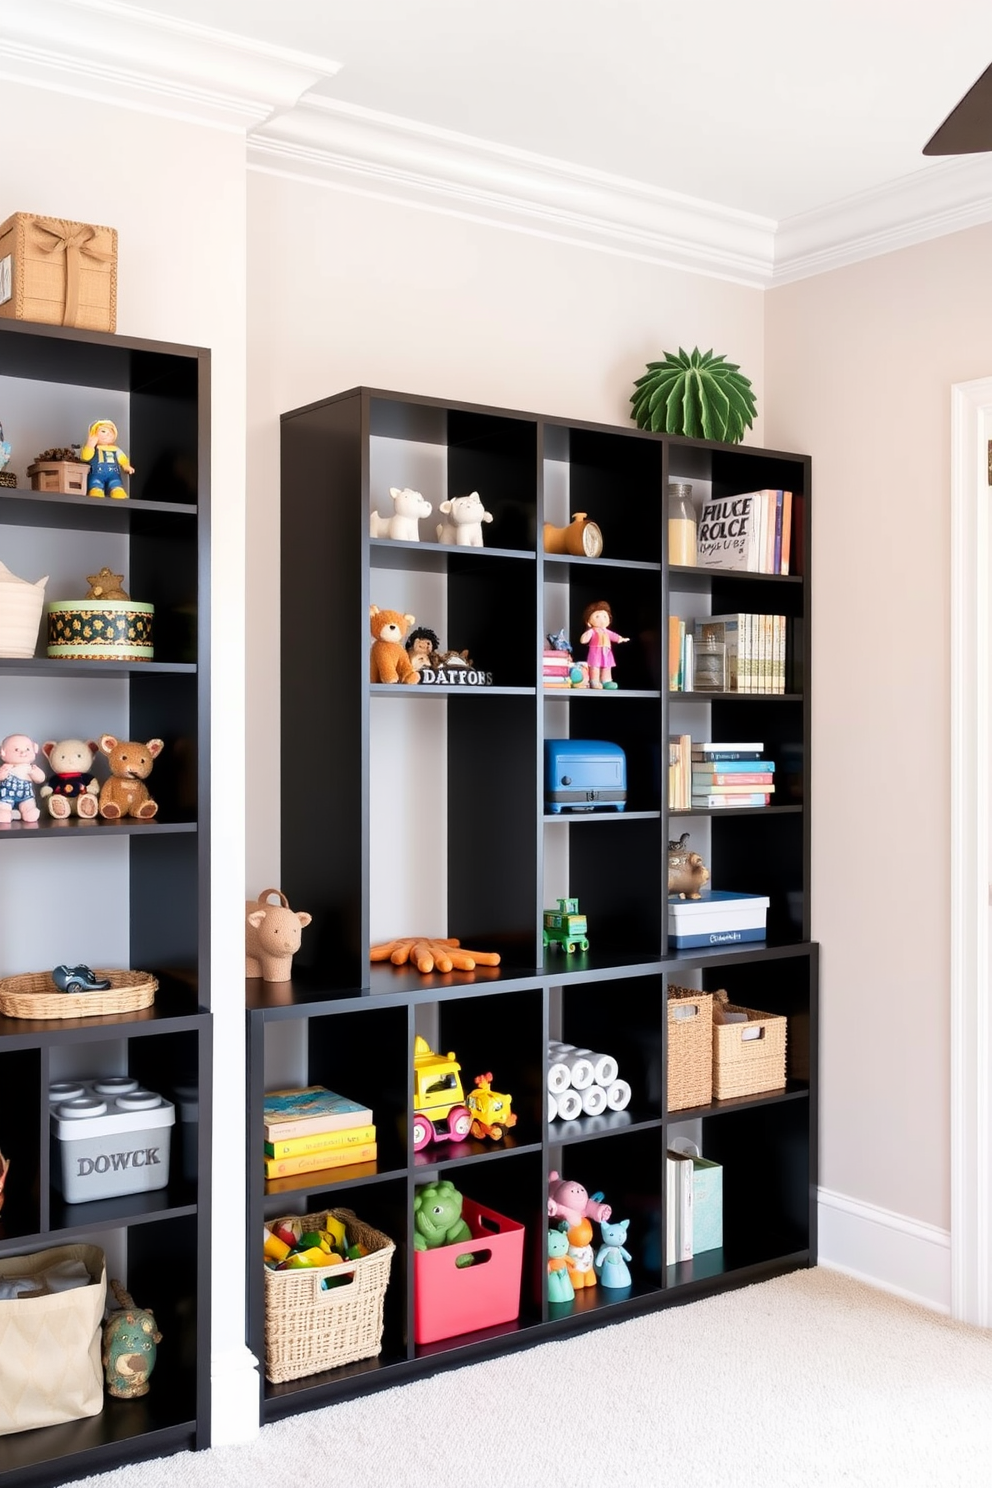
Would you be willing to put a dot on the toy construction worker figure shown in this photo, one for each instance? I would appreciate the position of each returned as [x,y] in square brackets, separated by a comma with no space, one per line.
[106,459]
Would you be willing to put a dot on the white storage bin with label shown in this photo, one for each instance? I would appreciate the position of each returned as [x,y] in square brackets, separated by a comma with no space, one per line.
[109,1137]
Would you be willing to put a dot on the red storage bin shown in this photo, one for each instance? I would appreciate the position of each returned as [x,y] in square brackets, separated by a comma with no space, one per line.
[450,1299]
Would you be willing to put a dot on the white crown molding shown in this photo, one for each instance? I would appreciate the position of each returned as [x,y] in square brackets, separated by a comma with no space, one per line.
[938,199]
[360,150]
[122,54]
[115,53]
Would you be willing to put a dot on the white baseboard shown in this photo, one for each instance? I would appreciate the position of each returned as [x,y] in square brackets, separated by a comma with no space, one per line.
[886,1250]
[234,1397]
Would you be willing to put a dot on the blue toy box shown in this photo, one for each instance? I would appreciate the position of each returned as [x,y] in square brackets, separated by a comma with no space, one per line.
[584,775]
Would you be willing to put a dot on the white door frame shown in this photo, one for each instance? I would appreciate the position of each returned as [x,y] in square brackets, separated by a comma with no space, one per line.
[971,872]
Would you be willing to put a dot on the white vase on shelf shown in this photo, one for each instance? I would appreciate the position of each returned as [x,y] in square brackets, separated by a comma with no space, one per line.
[20,613]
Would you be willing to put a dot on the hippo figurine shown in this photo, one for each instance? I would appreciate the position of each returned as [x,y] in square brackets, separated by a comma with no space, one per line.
[130,1339]
[687,873]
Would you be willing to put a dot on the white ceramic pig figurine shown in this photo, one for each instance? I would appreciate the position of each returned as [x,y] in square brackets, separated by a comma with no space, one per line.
[272,936]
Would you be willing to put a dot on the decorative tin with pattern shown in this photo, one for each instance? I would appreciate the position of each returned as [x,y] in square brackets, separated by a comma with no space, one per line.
[100,630]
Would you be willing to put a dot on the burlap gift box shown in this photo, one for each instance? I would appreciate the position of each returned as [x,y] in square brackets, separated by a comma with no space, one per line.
[58,272]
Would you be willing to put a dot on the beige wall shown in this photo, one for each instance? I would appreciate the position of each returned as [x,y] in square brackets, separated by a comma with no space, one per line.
[347,290]
[859,366]
[176,193]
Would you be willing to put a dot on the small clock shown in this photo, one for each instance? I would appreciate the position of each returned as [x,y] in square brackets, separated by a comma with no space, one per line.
[581,538]
[592,539]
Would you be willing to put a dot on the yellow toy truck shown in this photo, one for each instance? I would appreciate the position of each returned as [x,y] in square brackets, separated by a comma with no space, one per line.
[490,1109]
[439,1113]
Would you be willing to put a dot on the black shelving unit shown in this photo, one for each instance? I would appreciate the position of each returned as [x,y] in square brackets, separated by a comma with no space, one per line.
[142,887]
[491,857]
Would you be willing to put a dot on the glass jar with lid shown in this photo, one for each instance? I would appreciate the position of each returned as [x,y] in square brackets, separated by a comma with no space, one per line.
[681,524]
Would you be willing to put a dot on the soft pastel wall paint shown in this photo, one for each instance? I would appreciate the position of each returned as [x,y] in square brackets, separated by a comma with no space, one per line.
[859,366]
[176,193]
[348,290]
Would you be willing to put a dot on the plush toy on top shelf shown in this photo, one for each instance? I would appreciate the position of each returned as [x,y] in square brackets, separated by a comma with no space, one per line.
[105,459]
[465,515]
[404,525]
[389,661]
[18,776]
[71,787]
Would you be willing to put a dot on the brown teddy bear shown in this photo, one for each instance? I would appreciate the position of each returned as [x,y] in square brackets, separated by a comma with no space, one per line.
[390,663]
[125,793]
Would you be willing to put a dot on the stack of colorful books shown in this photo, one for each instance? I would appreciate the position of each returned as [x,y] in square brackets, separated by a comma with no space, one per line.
[560,670]
[310,1127]
[731,774]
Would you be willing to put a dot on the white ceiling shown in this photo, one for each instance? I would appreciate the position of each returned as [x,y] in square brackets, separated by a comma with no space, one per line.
[770,139]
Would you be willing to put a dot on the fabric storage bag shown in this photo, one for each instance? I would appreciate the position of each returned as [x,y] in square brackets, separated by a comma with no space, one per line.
[50,1367]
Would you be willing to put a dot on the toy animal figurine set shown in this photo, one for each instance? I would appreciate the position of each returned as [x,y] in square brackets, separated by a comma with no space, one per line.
[573,1262]
[403,654]
[72,788]
[464,518]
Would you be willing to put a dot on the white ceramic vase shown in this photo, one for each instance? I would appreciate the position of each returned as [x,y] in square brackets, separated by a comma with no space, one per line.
[20,613]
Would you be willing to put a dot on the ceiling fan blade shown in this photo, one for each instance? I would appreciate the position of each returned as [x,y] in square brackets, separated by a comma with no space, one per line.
[967,130]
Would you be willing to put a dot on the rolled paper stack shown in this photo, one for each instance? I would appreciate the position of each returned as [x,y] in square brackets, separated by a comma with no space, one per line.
[583,1082]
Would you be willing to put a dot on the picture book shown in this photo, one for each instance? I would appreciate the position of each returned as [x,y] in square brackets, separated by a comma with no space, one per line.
[717,750]
[727,535]
[303,1110]
[313,1162]
[352,1136]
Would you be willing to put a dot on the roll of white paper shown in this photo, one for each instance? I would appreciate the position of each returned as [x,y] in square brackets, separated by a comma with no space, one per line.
[618,1095]
[569,1105]
[579,1068]
[552,1107]
[559,1077]
[594,1100]
[604,1067]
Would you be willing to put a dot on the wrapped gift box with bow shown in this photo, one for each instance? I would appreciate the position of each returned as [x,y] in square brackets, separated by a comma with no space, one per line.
[58,272]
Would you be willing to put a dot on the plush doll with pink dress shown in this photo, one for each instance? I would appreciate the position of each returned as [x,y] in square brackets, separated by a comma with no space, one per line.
[598,618]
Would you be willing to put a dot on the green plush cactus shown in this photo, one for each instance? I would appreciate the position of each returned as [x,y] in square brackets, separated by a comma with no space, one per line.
[700,395]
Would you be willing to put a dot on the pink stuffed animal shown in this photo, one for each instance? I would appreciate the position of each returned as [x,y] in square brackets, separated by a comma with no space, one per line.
[572,1202]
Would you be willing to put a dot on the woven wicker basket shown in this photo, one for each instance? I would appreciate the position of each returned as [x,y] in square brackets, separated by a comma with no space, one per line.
[748,1057]
[308,1329]
[34,995]
[690,1047]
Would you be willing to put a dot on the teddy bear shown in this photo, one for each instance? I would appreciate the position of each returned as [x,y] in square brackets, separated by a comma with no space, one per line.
[72,786]
[390,663]
[125,793]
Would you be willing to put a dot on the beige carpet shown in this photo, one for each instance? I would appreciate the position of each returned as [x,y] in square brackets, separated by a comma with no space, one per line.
[809,1379]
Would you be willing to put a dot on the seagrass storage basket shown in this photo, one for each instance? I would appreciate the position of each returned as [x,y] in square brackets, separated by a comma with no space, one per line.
[35,995]
[748,1057]
[309,1329]
[690,1047]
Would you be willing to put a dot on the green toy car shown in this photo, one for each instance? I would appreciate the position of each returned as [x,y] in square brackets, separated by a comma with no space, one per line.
[564,927]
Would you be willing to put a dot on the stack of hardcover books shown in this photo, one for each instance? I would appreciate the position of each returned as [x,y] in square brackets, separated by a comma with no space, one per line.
[310,1128]
[560,670]
[731,775]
